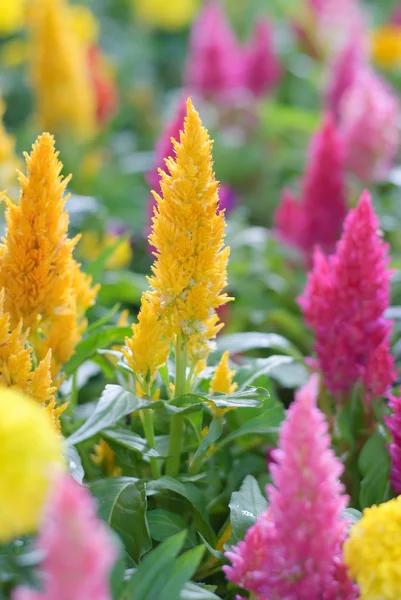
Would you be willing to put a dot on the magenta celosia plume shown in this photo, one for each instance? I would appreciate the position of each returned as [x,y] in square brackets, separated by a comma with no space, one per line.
[317,217]
[344,303]
[261,66]
[77,547]
[294,550]
[342,72]
[219,68]
[337,22]
[371,143]
[394,424]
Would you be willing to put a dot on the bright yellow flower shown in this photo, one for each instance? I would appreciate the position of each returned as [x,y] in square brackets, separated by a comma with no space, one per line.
[190,270]
[148,349]
[84,23]
[12,16]
[43,284]
[90,247]
[386,46]
[30,450]
[373,552]
[65,98]
[105,457]
[222,383]
[171,15]
[8,160]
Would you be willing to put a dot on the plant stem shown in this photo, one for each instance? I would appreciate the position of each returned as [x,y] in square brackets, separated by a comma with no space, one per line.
[147,423]
[177,421]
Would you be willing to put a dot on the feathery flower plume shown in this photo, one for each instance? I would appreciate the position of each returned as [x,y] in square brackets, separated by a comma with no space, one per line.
[371,144]
[261,66]
[337,22]
[190,269]
[222,383]
[394,424]
[104,456]
[30,449]
[8,160]
[318,217]
[344,303]
[215,65]
[294,550]
[372,551]
[65,99]
[148,348]
[43,284]
[342,72]
[78,549]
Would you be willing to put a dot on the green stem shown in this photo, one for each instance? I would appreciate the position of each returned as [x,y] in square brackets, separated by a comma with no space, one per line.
[177,421]
[74,395]
[148,427]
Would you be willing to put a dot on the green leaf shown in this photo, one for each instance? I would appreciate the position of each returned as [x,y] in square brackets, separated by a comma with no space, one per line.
[242,342]
[187,490]
[374,464]
[352,515]
[267,424]
[122,286]
[193,591]
[75,463]
[105,319]
[244,398]
[163,524]
[183,569]
[278,118]
[213,434]
[245,507]
[114,403]
[130,440]
[103,337]
[96,267]
[264,366]
[122,504]
[150,578]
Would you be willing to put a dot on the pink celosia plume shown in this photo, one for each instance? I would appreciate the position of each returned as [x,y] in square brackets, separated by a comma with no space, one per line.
[368,120]
[342,72]
[77,547]
[337,22]
[394,424]
[344,303]
[317,217]
[294,550]
[261,66]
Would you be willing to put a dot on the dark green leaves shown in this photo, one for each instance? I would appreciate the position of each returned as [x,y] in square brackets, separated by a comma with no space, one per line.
[163,524]
[122,504]
[374,465]
[245,507]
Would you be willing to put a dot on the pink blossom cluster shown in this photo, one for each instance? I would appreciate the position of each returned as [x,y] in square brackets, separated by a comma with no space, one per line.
[294,550]
[317,217]
[219,67]
[78,549]
[344,303]
[394,424]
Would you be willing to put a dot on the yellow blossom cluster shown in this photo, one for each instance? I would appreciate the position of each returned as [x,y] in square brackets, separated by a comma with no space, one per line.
[104,456]
[190,269]
[372,552]
[44,286]
[222,383]
[8,160]
[386,46]
[30,451]
[171,15]
[65,98]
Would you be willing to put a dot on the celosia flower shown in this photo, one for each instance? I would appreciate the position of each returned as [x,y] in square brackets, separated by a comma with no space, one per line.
[222,380]
[261,66]
[215,63]
[8,161]
[372,551]
[342,72]
[190,269]
[371,144]
[65,99]
[30,449]
[344,304]
[394,424]
[43,284]
[12,16]
[294,550]
[103,84]
[78,549]
[104,456]
[172,15]
[148,348]
[318,217]
[386,46]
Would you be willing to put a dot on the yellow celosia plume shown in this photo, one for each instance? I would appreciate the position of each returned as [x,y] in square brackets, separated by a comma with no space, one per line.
[222,383]
[30,451]
[148,349]
[65,99]
[171,15]
[190,270]
[8,161]
[104,456]
[43,284]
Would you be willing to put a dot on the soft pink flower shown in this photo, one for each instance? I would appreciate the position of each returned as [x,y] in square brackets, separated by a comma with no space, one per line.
[78,548]
[342,72]
[317,218]
[261,68]
[394,424]
[337,22]
[344,303]
[294,550]
[214,67]
[368,117]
